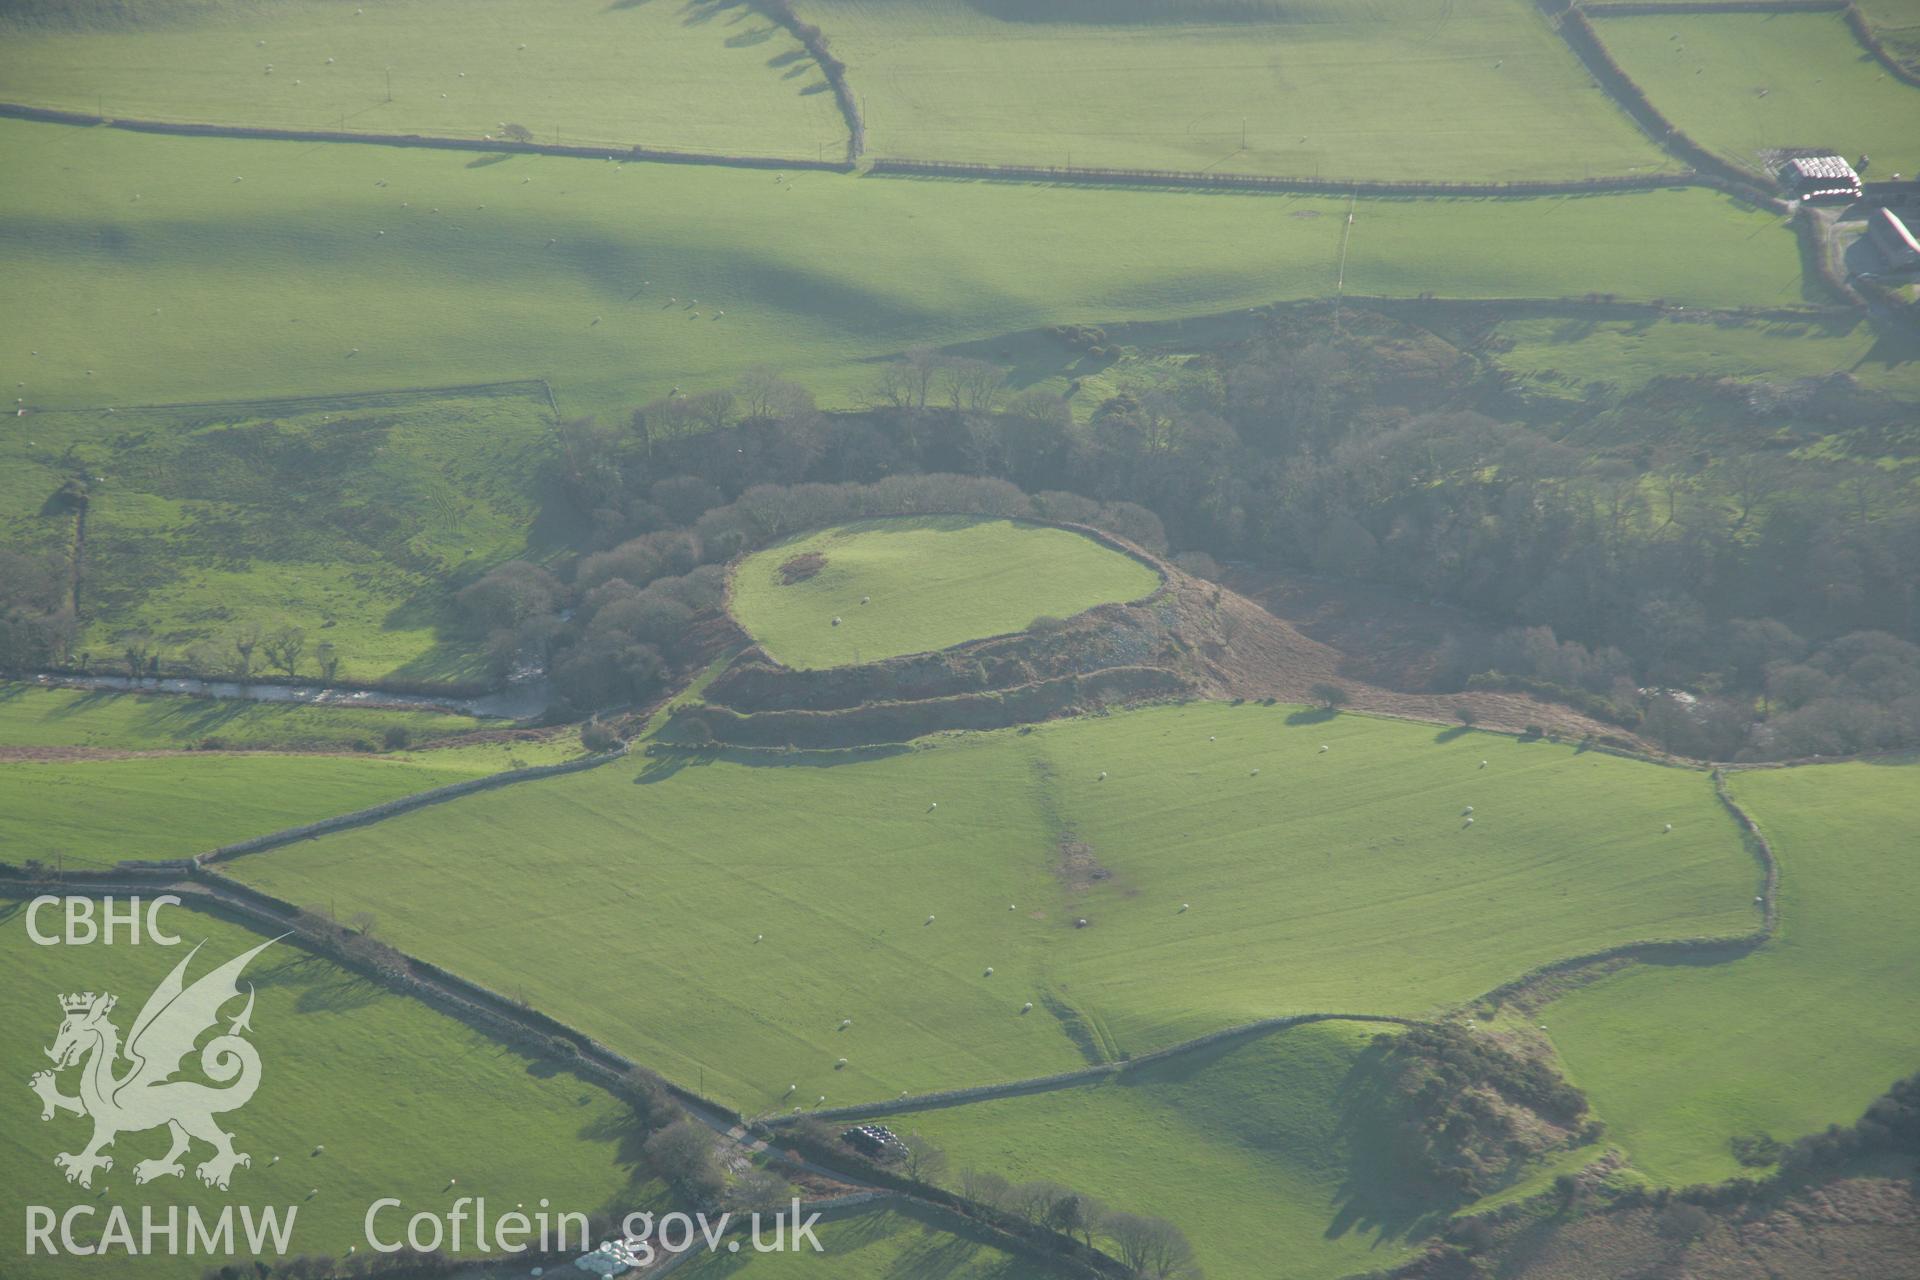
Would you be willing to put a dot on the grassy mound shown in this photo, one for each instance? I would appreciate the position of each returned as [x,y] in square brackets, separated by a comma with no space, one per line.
[726,914]
[880,588]
[98,812]
[1744,84]
[704,77]
[1389,89]
[108,719]
[353,519]
[402,1099]
[1681,1061]
[588,274]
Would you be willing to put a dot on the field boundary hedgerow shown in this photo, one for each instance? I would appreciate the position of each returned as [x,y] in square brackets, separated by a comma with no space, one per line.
[1519,990]
[1864,33]
[907,167]
[433,142]
[815,41]
[405,804]
[945,1098]
[1577,30]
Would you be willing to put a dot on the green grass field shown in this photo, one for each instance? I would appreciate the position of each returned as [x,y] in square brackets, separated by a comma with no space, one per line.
[1480,90]
[1744,84]
[1263,1152]
[630,905]
[401,1097]
[1680,1060]
[884,1243]
[353,518]
[1563,356]
[933,582]
[705,76]
[98,812]
[609,279]
[47,717]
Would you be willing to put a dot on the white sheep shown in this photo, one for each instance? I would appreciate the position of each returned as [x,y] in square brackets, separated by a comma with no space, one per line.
[839,1063]
[929,919]
[836,619]
[1467,810]
[1469,821]
[1483,764]
[866,599]
[845,1023]
[1183,908]
[759,937]
[933,806]
[1027,1007]
[1669,826]
[1254,774]
[1323,748]
[1013,906]
[1103,775]
[989,972]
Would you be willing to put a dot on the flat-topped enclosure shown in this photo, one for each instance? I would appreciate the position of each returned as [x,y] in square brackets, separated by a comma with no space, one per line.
[927,582]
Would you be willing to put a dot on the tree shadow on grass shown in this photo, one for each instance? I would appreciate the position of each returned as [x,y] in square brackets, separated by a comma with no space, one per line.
[482,162]
[1457,731]
[1312,715]
[1375,1197]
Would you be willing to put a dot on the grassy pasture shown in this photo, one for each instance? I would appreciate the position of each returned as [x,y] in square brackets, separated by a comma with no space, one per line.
[1680,1060]
[1389,89]
[630,905]
[707,76]
[268,285]
[401,1097]
[1563,355]
[45,717]
[884,1243]
[1262,1151]
[98,812]
[1708,73]
[353,518]
[934,582]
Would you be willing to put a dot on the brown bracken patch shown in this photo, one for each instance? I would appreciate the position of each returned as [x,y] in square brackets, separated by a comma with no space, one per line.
[801,567]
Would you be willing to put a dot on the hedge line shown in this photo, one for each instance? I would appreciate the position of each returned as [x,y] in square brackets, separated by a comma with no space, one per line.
[1262,182]
[1864,33]
[815,42]
[1676,947]
[388,809]
[1586,44]
[49,115]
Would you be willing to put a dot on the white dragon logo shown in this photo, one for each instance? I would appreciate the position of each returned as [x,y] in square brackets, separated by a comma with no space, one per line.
[146,1096]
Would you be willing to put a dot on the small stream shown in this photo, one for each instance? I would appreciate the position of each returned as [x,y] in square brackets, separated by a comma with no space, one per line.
[521,700]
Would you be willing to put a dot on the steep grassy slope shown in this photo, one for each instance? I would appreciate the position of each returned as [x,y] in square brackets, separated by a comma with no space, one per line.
[908,586]
[106,719]
[1679,1061]
[400,1097]
[325,270]
[704,76]
[353,518]
[720,920]
[1744,84]
[98,812]
[1383,89]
